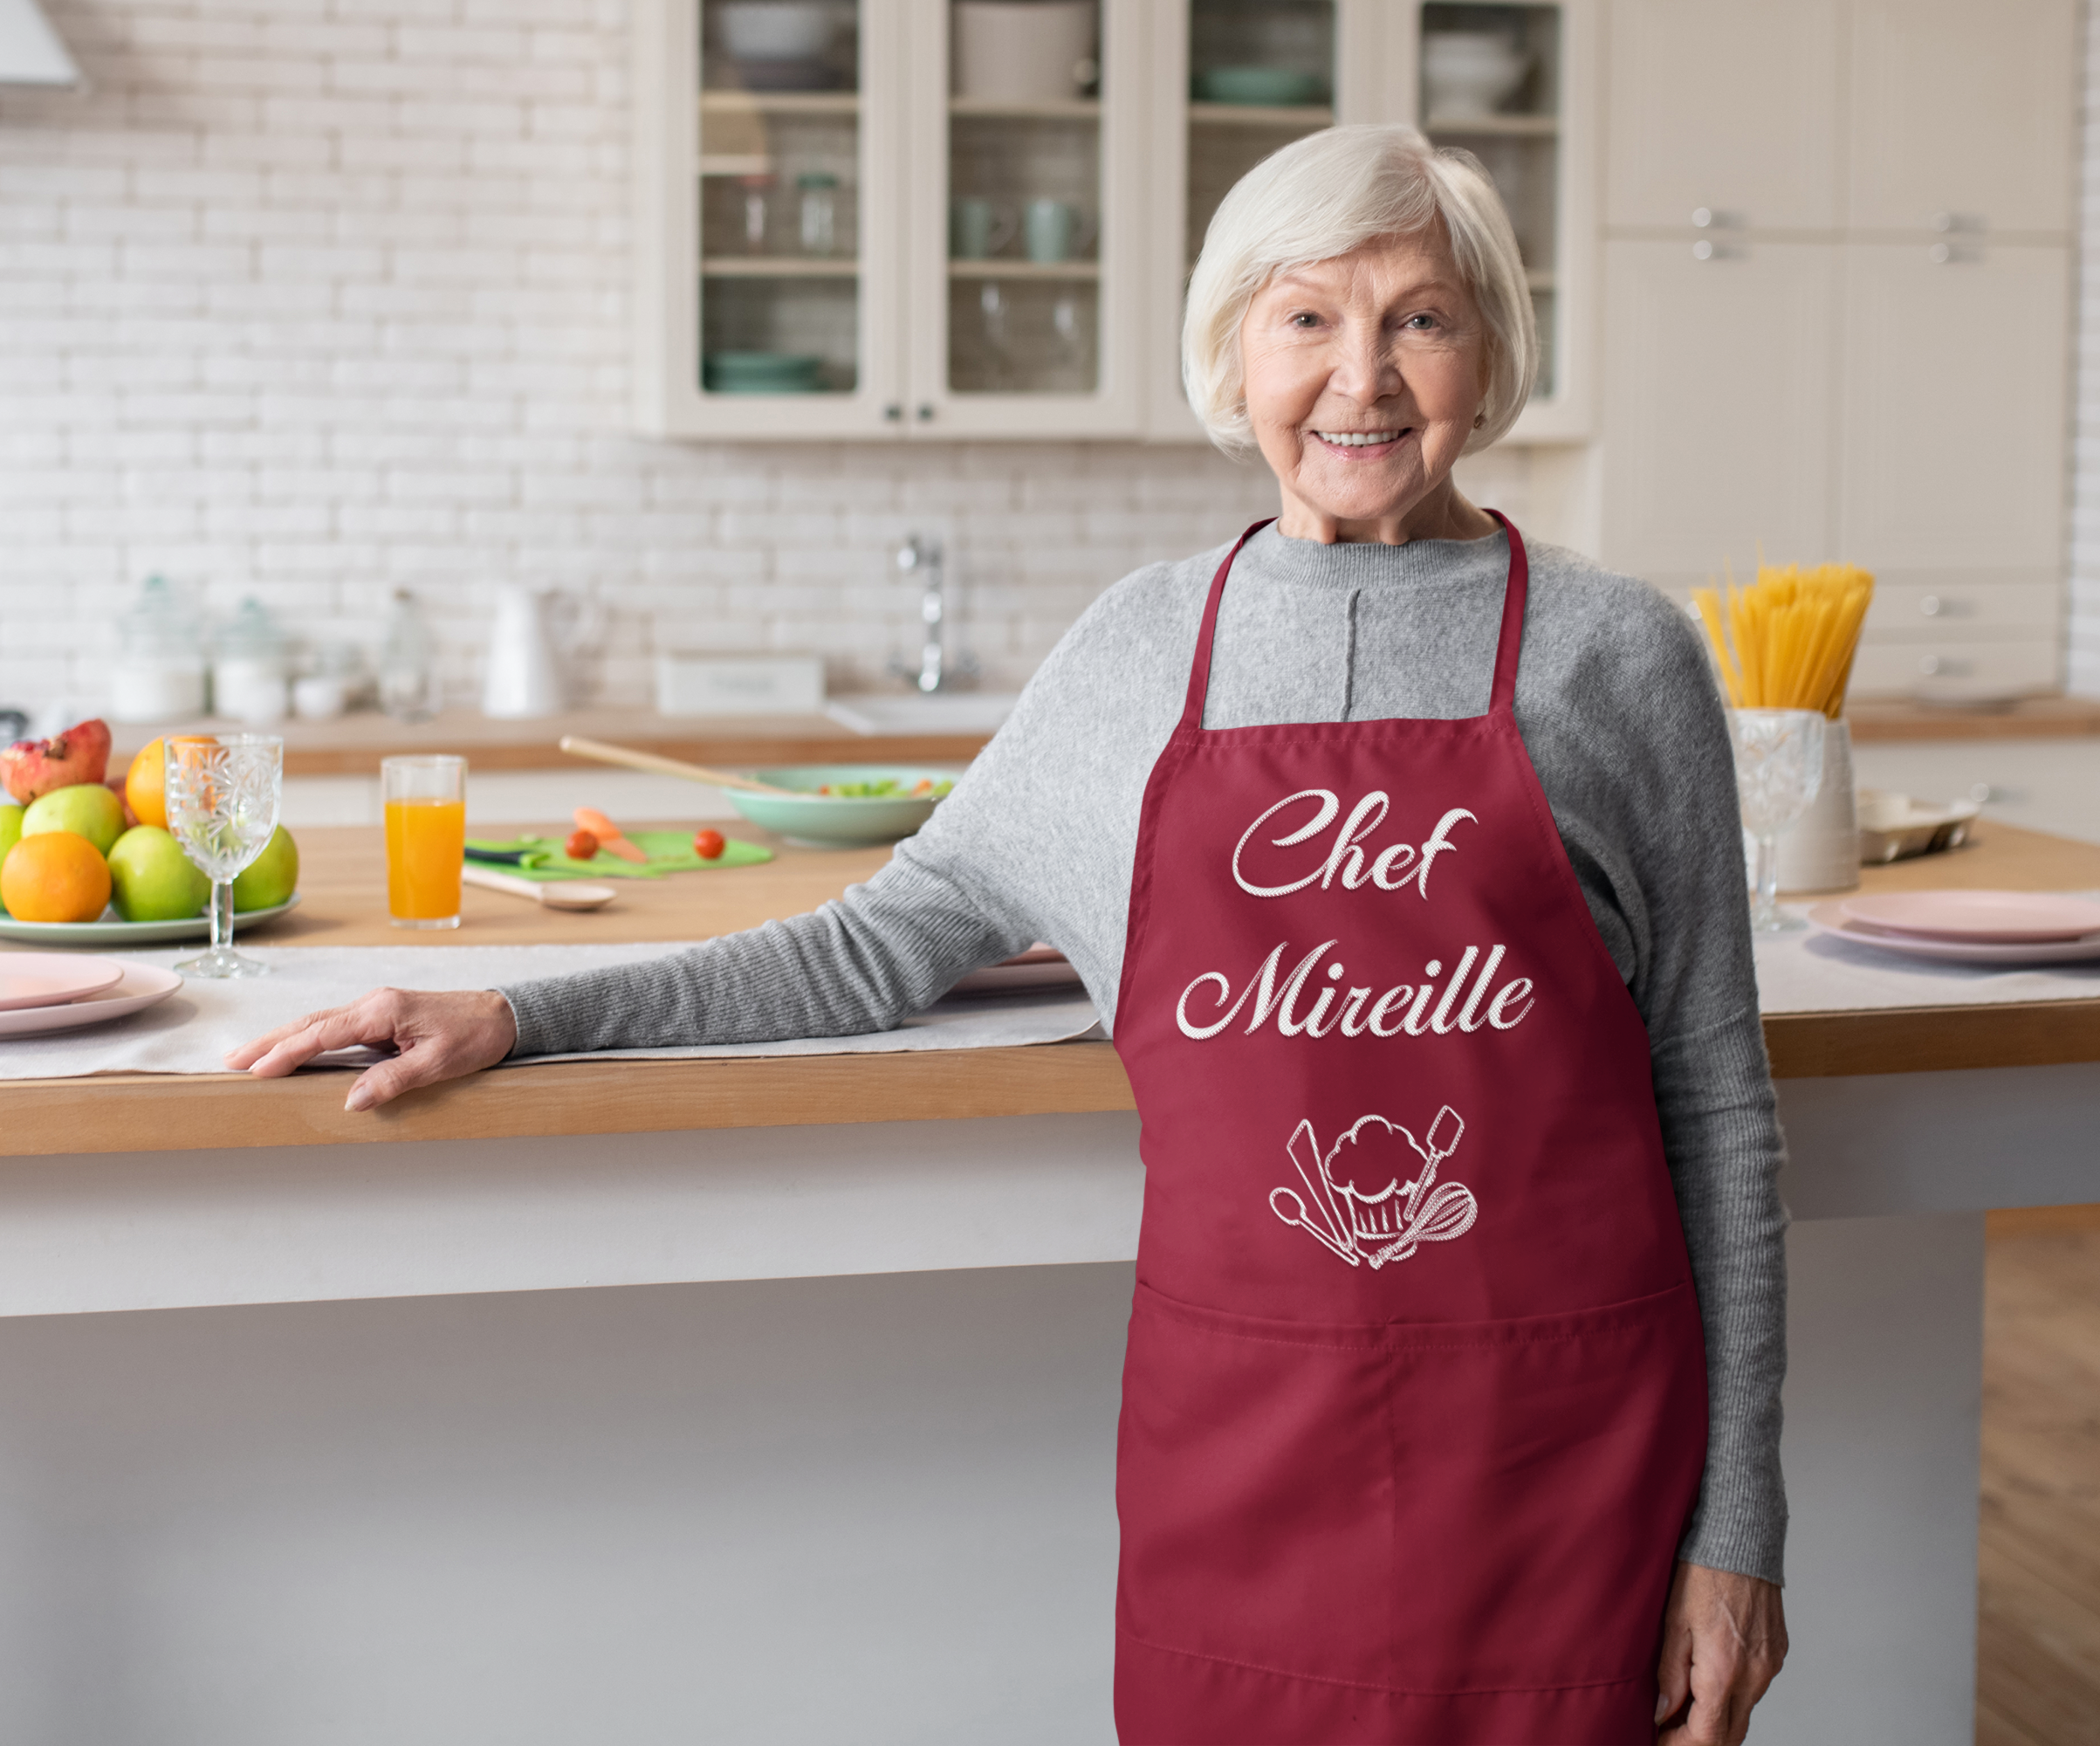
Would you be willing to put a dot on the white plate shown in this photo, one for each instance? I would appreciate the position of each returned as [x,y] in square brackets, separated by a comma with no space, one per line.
[1830,918]
[123,935]
[140,987]
[50,979]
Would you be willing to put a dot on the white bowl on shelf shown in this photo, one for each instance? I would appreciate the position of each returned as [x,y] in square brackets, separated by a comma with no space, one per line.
[775,30]
[1471,73]
[1022,50]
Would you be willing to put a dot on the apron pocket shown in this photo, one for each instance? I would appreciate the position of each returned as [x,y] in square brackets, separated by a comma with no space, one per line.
[1255,1488]
[1426,1508]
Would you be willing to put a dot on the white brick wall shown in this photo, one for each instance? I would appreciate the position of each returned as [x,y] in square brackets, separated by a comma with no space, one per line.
[309,298]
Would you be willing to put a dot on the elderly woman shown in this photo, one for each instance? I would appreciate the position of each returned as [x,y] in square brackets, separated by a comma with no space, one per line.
[1411,886]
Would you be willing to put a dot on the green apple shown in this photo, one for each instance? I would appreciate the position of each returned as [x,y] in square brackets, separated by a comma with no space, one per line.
[10,834]
[151,879]
[270,878]
[87,809]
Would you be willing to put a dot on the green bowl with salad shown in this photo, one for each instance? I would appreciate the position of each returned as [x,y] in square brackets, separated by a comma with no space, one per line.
[844,806]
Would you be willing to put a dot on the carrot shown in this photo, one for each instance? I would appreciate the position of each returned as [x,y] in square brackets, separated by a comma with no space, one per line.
[610,838]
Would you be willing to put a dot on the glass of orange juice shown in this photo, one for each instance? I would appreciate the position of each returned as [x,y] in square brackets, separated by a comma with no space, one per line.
[426,802]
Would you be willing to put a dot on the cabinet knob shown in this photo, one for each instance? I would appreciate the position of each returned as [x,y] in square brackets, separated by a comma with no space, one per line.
[1939,254]
[1702,217]
[1930,665]
[1930,606]
[1943,222]
[894,412]
[926,412]
[1702,250]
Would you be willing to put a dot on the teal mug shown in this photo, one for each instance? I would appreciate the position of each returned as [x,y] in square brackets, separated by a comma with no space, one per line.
[977,228]
[1054,231]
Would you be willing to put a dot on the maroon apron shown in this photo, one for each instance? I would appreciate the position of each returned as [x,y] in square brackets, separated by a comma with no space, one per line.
[1415,1405]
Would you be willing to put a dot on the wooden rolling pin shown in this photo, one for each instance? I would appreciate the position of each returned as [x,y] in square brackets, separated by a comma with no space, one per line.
[576,746]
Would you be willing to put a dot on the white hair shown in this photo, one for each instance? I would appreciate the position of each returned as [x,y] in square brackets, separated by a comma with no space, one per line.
[1324,195]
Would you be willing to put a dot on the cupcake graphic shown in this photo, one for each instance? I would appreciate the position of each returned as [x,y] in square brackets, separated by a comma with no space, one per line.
[1375,1197]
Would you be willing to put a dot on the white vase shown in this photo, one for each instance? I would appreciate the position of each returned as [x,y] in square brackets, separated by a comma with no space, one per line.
[1820,853]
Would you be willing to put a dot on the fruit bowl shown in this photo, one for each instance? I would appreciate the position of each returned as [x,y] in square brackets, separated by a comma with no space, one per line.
[112,932]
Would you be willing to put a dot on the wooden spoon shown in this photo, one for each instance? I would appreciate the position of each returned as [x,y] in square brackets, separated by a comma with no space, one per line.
[577,747]
[555,894]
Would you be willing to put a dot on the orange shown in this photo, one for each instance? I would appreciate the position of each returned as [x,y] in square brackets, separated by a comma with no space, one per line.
[54,878]
[145,785]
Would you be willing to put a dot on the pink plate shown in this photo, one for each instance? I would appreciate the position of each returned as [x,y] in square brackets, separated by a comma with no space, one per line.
[1828,918]
[1999,918]
[142,985]
[50,979]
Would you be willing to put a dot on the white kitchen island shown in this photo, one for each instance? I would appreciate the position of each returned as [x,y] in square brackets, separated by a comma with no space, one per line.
[751,1405]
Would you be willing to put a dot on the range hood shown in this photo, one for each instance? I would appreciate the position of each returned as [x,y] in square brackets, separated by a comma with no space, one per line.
[30,52]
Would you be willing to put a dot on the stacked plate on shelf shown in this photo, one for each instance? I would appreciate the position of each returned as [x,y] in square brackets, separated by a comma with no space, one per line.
[42,992]
[1969,927]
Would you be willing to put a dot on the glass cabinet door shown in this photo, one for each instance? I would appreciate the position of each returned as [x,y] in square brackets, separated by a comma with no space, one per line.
[1492,82]
[775,309]
[1028,224]
[1261,73]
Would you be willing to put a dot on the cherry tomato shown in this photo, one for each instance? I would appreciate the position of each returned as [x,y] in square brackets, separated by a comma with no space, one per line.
[582,846]
[709,844]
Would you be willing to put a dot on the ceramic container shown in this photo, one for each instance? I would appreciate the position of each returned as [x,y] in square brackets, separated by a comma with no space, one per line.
[1820,853]
[1023,50]
[524,675]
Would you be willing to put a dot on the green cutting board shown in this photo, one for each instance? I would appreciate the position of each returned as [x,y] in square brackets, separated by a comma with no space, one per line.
[668,851]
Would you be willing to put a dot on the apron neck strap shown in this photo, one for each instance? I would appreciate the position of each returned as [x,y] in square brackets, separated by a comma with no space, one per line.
[1199,670]
[1502,698]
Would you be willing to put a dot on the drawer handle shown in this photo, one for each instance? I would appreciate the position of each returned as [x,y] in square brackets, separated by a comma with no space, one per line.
[1938,667]
[1930,606]
[1702,216]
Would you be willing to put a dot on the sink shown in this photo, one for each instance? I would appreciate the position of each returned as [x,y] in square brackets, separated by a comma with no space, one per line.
[897,712]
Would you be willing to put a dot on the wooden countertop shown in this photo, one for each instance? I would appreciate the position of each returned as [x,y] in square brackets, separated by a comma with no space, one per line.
[2050,718]
[343,905]
[353,745]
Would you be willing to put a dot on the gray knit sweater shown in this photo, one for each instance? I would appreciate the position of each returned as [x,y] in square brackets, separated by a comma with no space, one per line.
[1623,722]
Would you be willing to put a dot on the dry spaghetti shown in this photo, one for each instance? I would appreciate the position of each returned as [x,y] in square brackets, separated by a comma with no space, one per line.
[1787,640]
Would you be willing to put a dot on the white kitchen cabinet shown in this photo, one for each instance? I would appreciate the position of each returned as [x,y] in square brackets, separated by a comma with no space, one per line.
[1724,108]
[1717,406]
[1953,414]
[847,227]
[1961,116]
[1957,670]
[806,267]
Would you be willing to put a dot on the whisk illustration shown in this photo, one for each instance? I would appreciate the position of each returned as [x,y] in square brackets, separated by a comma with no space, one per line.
[1388,1222]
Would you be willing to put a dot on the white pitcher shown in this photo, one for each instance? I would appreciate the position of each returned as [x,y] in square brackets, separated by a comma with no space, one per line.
[524,673]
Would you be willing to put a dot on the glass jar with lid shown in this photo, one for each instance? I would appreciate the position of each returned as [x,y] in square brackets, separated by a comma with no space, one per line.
[409,688]
[158,672]
[249,670]
[819,212]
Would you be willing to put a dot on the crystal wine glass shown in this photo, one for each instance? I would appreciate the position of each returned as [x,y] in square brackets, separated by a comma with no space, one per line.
[1779,768]
[223,795]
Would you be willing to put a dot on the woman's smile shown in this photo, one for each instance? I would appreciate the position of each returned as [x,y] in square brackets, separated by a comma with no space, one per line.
[1362,445]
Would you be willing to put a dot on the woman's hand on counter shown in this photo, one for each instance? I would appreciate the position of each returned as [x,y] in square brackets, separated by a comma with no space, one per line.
[435,1037]
[1724,1640]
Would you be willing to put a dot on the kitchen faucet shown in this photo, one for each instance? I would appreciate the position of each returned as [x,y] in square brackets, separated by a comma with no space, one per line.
[921,556]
